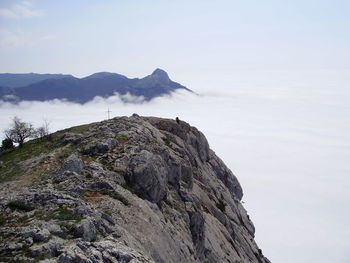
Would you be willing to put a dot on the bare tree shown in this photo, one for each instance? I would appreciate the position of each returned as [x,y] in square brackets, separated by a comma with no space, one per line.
[44,130]
[20,131]
[40,132]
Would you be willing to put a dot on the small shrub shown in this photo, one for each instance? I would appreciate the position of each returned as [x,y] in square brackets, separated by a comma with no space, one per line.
[107,211]
[205,209]
[177,207]
[167,141]
[122,139]
[88,159]
[20,206]
[129,188]
[221,206]
[63,213]
[119,197]
[63,155]
[6,220]
[87,174]
[184,184]
[7,144]
[115,195]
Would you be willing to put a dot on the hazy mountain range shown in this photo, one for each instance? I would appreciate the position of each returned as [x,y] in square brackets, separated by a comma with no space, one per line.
[42,87]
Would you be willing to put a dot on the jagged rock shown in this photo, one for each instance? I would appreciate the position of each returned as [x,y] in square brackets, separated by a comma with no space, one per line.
[14,246]
[109,250]
[50,248]
[72,164]
[197,232]
[54,228]
[137,189]
[148,176]
[101,185]
[226,176]
[86,230]
[97,148]
[40,235]
[70,137]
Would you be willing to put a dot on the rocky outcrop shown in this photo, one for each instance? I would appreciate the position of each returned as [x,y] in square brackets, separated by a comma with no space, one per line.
[137,189]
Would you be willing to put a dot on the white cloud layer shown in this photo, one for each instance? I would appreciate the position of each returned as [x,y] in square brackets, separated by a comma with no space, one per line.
[288,144]
[23,9]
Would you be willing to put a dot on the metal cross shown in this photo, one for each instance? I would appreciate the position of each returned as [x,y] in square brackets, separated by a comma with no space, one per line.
[108,113]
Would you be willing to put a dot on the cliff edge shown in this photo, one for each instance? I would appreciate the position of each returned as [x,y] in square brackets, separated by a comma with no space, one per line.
[130,189]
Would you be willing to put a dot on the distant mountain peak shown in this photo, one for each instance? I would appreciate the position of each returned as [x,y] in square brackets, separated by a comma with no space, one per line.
[104,74]
[161,75]
[38,87]
[159,71]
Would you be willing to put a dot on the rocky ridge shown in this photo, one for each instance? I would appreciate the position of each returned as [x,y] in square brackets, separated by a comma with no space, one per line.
[130,189]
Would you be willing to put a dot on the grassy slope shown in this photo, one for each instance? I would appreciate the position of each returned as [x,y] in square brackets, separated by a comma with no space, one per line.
[11,166]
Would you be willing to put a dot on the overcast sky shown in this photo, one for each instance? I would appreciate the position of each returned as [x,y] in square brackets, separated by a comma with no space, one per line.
[199,42]
[274,79]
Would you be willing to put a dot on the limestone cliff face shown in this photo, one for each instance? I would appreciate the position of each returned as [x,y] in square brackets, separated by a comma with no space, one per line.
[137,189]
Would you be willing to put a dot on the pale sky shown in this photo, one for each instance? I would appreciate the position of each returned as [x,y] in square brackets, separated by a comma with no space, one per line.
[199,43]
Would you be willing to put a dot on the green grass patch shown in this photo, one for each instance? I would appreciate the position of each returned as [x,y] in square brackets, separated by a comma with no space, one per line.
[18,205]
[168,140]
[122,139]
[81,129]
[63,213]
[129,188]
[5,220]
[88,159]
[184,184]
[14,221]
[177,207]
[4,235]
[10,159]
[10,173]
[107,211]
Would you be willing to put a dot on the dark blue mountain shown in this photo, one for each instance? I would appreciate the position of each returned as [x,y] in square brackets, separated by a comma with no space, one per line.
[11,80]
[102,84]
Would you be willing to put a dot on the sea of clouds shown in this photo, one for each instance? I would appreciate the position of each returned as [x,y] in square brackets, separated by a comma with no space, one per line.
[285,136]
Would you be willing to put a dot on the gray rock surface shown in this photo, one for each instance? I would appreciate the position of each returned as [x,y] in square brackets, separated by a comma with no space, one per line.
[130,189]
[98,147]
[86,230]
